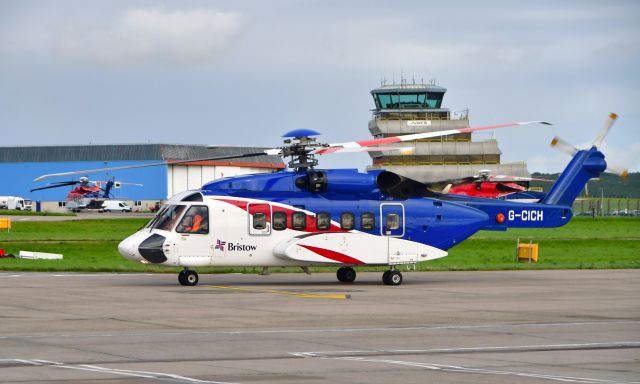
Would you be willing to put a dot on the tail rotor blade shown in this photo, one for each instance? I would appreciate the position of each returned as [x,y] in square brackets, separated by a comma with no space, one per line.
[615,169]
[605,129]
[563,146]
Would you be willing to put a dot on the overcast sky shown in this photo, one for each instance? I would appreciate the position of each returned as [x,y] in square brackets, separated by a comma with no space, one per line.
[244,72]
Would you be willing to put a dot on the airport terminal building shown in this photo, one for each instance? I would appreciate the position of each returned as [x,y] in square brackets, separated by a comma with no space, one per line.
[20,165]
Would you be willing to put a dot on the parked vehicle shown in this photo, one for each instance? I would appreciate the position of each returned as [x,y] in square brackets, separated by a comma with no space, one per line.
[115,206]
[15,202]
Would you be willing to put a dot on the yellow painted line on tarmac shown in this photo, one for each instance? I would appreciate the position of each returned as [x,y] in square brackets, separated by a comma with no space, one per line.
[277,292]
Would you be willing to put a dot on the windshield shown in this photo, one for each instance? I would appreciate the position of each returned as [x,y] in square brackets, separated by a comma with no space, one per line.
[167,217]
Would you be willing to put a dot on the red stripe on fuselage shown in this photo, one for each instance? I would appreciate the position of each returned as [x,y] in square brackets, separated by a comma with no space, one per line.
[333,255]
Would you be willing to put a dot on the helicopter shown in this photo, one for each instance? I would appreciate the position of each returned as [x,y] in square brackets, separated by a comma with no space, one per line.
[307,216]
[485,184]
[86,194]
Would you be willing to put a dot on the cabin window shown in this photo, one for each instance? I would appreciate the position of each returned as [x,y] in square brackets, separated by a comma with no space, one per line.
[323,221]
[196,220]
[279,221]
[299,221]
[393,221]
[259,220]
[259,216]
[168,217]
[347,221]
[367,221]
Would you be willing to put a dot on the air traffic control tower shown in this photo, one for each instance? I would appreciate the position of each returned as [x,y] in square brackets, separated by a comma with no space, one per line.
[403,109]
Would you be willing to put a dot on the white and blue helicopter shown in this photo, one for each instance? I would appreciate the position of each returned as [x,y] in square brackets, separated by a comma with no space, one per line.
[307,217]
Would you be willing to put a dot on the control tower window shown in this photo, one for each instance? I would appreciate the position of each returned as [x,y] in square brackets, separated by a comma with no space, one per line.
[421,100]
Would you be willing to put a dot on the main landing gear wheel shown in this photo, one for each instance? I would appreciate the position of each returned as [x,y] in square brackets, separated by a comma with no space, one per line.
[188,277]
[392,277]
[346,274]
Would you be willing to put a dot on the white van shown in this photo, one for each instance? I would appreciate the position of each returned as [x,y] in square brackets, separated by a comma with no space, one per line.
[115,206]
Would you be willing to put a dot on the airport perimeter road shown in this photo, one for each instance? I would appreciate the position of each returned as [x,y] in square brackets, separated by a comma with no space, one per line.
[441,327]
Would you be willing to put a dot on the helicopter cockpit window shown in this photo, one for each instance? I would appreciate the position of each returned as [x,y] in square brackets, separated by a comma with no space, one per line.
[167,217]
[259,220]
[367,221]
[393,221]
[152,222]
[347,221]
[323,221]
[196,220]
[279,221]
[299,221]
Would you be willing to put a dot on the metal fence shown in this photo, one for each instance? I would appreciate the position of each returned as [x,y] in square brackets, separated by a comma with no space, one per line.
[606,207]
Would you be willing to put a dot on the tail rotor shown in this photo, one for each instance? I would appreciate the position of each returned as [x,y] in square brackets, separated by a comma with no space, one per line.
[571,150]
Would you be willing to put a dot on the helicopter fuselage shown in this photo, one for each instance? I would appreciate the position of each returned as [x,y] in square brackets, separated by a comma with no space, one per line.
[332,217]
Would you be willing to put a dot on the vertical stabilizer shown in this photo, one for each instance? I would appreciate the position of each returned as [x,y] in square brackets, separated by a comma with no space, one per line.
[585,165]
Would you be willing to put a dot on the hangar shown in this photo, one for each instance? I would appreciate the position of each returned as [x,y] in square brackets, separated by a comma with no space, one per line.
[20,165]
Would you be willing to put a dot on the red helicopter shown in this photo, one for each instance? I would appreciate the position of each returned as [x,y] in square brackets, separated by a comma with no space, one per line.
[87,194]
[486,185]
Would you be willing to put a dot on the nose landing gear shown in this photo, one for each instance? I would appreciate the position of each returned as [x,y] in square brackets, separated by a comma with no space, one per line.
[188,277]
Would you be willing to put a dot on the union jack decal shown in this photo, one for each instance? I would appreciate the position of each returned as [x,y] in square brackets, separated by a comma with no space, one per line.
[220,244]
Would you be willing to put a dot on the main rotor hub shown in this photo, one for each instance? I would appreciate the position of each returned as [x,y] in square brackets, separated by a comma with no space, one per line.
[298,147]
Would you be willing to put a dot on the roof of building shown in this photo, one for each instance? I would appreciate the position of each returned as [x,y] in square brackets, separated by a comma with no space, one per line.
[408,88]
[132,152]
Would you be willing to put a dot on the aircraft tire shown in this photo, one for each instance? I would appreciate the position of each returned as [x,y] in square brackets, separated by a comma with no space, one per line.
[392,277]
[181,279]
[346,274]
[385,277]
[190,278]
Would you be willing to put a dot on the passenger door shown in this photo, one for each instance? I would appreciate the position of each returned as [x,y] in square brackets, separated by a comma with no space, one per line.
[392,225]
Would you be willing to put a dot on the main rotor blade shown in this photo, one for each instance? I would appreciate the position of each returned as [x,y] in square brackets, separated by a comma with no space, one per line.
[418,136]
[70,182]
[263,153]
[53,186]
[563,146]
[605,129]
[507,178]
[328,150]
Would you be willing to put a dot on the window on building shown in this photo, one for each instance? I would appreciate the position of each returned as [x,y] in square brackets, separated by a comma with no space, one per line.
[62,203]
[323,221]
[367,221]
[279,221]
[347,221]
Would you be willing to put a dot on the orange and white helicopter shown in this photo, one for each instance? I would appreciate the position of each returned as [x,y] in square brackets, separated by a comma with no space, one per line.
[307,217]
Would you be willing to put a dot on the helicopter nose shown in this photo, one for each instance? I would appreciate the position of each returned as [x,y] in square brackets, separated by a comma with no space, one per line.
[128,248]
[151,249]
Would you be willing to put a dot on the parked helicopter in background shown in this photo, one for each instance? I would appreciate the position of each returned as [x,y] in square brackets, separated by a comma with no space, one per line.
[487,185]
[335,217]
[87,194]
